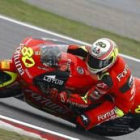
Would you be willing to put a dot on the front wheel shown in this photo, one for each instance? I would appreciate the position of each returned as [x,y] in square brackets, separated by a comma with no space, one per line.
[5,93]
[9,87]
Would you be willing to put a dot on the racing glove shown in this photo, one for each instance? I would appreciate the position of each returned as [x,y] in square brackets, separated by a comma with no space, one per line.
[74,99]
[97,92]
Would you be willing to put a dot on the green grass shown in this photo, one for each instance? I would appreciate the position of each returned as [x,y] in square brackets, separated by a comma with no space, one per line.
[30,14]
[8,135]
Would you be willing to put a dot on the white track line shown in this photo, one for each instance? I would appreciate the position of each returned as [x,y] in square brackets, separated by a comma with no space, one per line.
[38,128]
[55,34]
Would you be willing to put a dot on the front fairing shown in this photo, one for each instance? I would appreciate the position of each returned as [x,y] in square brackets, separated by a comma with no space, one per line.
[33,59]
[30,60]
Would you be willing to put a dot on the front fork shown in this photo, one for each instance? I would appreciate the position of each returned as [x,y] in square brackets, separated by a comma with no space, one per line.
[9,85]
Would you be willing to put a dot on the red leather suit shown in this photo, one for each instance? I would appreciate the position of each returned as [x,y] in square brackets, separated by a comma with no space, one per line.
[123,88]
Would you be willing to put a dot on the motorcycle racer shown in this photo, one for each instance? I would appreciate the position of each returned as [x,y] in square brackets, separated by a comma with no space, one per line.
[56,62]
[85,85]
[114,78]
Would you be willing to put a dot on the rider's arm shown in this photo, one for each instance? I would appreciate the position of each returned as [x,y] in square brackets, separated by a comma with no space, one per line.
[93,95]
[74,99]
[78,50]
[103,86]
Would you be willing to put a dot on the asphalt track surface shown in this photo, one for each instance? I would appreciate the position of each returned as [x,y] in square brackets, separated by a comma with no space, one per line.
[10,37]
[118,16]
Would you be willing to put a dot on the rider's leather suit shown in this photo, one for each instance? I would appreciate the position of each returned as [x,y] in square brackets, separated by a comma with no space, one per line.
[118,82]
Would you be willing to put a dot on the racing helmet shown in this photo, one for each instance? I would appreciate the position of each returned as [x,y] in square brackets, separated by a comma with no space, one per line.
[102,55]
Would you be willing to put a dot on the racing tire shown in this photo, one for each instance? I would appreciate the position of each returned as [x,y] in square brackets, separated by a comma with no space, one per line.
[121,126]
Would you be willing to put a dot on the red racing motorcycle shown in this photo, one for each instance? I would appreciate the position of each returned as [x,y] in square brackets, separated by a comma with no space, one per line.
[40,66]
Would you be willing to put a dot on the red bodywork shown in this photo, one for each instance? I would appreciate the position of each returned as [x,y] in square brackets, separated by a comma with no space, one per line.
[19,75]
[27,62]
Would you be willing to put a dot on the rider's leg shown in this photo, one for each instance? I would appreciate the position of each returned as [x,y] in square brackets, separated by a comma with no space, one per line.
[106,111]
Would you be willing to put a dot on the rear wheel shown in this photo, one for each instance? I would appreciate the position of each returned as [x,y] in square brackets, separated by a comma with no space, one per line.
[121,126]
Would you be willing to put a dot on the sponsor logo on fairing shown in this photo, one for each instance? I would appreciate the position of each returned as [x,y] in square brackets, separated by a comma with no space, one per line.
[17,61]
[52,79]
[47,103]
[107,116]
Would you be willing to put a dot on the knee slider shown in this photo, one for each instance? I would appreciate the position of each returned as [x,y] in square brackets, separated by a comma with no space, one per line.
[119,112]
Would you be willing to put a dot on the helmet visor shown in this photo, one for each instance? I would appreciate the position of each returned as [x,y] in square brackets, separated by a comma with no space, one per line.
[95,64]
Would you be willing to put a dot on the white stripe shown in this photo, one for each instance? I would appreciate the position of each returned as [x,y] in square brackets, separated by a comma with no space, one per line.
[11,128]
[38,128]
[55,34]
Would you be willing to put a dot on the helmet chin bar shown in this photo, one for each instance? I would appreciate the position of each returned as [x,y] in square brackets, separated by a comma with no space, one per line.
[102,70]
[95,65]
